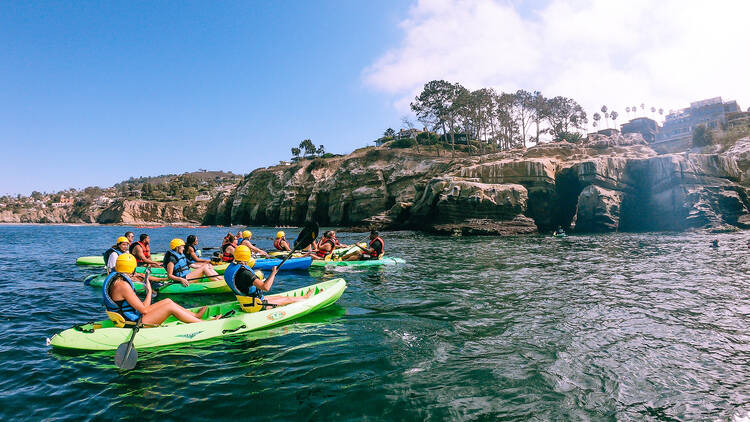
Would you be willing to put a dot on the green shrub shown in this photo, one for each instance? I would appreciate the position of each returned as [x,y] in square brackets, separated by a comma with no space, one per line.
[571,137]
[403,143]
[702,136]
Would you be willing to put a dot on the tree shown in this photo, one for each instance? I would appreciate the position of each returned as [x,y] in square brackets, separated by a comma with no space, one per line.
[523,109]
[627,110]
[597,117]
[606,115]
[389,133]
[661,112]
[613,115]
[295,153]
[565,115]
[321,150]
[702,136]
[653,111]
[431,105]
[309,147]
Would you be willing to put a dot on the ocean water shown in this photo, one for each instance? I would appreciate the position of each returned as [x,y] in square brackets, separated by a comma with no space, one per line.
[610,327]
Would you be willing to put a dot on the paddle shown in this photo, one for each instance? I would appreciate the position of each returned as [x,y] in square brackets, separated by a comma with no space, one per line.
[126,356]
[304,239]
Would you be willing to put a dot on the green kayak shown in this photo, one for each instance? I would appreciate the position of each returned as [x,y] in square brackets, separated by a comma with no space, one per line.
[103,335]
[201,286]
[99,259]
[386,260]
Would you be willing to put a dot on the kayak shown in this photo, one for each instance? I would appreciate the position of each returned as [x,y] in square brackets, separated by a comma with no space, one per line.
[386,260]
[103,335]
[292,264]
[336,252]
[560,235]
[201,286]
[99,259]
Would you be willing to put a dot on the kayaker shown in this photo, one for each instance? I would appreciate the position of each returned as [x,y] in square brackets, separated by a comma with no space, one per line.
[280,243]
[110,255]
[374,250]
[119,296]
[244,282]
[559,231]
[130,236]
[227,248]
[190,253]
[715,243]
[141,250]
[325,246]
[245,240]
[177,266]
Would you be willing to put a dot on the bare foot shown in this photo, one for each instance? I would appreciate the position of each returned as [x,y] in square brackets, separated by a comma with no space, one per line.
[215,317]
[309,293]
[200,313]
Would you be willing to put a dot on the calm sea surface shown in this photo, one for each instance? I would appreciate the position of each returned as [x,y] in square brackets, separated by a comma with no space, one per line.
[610,327]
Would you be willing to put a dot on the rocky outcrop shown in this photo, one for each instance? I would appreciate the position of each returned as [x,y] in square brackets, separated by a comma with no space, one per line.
[603,184]
[141,212]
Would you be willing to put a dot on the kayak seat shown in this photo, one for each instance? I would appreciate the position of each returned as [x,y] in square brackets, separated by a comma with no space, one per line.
[252,304]
[119,320]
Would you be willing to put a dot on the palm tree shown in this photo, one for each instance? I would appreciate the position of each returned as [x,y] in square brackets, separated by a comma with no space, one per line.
[635,110]
[597,117]
[643,107]
[653,112]
[661,112]
[627,110]
[606,118]
[613,115]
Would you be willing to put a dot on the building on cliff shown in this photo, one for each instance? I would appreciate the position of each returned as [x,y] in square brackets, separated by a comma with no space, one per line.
[648,128]
[711,112]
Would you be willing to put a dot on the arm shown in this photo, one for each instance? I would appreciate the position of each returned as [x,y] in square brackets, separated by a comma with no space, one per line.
[111,262]
[122,289]
[138,252]
[257,249]
[171,276]
[195,258]
[266,285]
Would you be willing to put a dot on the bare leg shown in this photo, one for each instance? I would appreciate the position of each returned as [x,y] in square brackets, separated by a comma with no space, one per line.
[285,300]
[354,256]
[160,311]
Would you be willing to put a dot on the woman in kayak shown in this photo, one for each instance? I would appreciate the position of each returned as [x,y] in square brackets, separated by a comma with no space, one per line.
[244,282]
[280,243]
[227,248]
[193,260]
[119,296]
[245,240]
[110,255]
[325,246]
[177,266]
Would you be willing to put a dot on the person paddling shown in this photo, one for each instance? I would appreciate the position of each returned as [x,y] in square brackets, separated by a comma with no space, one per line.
[110,255]
[280,243]
[375,250]
[118,292]
[141,250]
[245,240]
[246,283]
[177,266]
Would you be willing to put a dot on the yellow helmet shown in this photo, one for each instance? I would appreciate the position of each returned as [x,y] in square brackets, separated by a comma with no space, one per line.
[247,234]
[260,275]
[174,243]
[125,263]
[279,235]
[122,239]
[242,253]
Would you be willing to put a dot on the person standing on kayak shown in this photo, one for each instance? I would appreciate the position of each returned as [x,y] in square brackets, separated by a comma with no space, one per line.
[193,260]
[177,266]
[141,250]
[111,254]
[119,296]
[245,240]
[280,243]
[246,283]
[374,250]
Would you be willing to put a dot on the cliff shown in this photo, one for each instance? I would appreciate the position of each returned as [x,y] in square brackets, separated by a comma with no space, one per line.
[603,184]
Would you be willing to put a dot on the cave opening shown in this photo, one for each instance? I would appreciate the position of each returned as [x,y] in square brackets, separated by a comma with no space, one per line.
[567,189]
[321,209]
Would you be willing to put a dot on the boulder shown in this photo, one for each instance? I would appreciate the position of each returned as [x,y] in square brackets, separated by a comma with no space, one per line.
[598,210]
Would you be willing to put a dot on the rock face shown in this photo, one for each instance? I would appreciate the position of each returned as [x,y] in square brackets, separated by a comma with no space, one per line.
[140,212]
[604,184]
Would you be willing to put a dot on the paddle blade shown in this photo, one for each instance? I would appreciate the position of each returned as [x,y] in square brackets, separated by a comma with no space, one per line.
[126,356]
[307,235]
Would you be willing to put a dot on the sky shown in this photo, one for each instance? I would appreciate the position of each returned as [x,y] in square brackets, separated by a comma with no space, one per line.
[92,93]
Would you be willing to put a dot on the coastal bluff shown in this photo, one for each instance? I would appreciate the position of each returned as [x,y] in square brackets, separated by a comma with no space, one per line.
[602,184]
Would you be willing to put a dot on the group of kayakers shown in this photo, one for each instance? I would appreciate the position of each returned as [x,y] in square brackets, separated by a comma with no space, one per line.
[183,265]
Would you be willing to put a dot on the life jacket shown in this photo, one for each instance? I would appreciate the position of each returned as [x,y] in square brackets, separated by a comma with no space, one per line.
[188,256]
[109,252]
[231,272]
[181,267]
[323,254]
[122,307]
[277,244]
[145,248]
[375,254]
[226,256]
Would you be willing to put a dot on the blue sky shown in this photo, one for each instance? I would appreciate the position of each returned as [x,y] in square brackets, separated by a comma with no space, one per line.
[92,93]
[96,92]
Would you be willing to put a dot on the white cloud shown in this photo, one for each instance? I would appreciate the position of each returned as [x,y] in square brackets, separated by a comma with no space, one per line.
[612,52]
